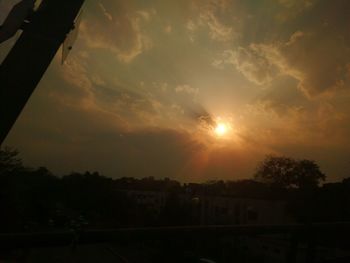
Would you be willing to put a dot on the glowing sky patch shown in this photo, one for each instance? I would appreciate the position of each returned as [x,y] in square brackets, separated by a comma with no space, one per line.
[220,129]
[141,88]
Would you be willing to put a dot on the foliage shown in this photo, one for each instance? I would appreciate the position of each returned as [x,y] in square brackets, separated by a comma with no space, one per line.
[31,198]
[285,172]
[9,161]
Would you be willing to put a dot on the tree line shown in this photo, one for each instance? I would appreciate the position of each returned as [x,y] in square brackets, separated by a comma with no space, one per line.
[32,199]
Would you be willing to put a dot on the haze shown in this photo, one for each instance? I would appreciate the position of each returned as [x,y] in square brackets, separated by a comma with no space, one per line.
[147,82]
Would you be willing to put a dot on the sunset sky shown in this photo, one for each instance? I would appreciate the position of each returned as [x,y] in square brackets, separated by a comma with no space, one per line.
[147,83]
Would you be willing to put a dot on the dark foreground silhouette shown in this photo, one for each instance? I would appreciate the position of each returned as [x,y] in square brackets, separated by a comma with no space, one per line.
[35,200]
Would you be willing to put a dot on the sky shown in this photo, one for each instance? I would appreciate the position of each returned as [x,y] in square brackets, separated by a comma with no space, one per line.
[147,83]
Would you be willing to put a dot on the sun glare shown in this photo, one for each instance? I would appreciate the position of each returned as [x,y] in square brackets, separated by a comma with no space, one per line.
[220,129]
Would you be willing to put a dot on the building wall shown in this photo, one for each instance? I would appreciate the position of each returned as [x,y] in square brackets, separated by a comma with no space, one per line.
[211,210]
[229,210]
[150,199]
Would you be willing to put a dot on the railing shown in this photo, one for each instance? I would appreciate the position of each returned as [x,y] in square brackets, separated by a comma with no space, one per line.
[307,234]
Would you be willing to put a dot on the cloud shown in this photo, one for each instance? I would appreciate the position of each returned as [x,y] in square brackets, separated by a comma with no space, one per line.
[316,130]
[259,63]
[103,112]
[200,115]
[319,69]
[293,3]
[293,8]
[108,15]
[317,54]
[191,26]
[168,29]
[217,30]
[314,53]
[186,89]
[86,145]
[114,28]
[295,37]
[149,105]
[274,126]
[208,14]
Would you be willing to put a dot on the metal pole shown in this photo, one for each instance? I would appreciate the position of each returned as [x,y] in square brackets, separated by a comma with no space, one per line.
[26,63]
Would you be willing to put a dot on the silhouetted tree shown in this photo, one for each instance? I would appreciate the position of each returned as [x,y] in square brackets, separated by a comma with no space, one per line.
[285,172]
[276,171]
[9,165]
[95,197]
[26,195]
[9,161]
[307,174]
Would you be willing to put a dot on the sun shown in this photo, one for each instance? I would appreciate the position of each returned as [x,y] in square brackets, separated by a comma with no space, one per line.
[220,129]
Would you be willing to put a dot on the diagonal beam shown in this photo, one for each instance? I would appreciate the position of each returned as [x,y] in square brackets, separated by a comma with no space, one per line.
[26,63]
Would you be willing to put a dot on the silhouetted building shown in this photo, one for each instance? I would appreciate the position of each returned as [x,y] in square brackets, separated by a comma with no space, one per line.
[232,210]
[152,200]
[220,210]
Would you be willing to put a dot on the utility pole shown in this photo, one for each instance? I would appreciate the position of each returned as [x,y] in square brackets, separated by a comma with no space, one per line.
[26,63]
